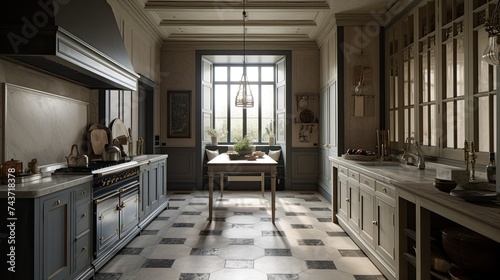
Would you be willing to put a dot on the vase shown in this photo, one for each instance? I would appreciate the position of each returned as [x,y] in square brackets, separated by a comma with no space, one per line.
[272,140]
[214,140]
[245,152]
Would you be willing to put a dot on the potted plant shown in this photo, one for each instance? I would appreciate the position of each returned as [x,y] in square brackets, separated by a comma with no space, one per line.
[215,134]
[270,134]
[244,146]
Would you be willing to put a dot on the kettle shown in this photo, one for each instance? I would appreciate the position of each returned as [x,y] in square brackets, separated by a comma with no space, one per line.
[111,153]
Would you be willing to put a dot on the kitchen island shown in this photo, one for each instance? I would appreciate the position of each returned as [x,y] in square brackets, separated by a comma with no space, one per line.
[377,203]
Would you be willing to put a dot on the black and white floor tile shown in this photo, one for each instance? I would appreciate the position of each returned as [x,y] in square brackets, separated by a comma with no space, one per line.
[241,242]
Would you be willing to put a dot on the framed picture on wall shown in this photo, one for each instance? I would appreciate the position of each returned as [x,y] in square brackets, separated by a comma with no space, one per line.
[179,113]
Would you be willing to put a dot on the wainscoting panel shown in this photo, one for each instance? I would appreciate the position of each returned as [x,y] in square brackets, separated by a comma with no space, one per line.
[181,167]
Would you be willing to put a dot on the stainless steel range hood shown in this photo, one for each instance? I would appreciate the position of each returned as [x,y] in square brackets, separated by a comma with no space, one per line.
[77,40]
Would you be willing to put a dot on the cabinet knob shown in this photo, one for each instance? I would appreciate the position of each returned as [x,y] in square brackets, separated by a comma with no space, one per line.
[84,215]
[384,190]
[84,249]
[374,222]
[366,182]
[347,199]
[58,202]
[84,192]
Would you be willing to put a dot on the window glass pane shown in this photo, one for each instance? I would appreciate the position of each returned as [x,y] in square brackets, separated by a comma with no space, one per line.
[220,73]
[483,75]
[396,89]
[407,123]
[450,127]
[495,116]
[253,73]
[483,120]
[433,131]
[267,74]
[432,74]
[425,79]
[392,125]
[412,81]
[406,83]
[449,70]
[460,67]
[460,124]
[235,73]
[425,125]
[412,122]
[254,112]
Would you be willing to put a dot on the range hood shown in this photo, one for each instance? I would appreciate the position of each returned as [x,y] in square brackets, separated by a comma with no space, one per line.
[77,40]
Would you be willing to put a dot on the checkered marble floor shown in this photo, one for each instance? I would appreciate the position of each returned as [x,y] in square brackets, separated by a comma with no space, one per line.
[242,243]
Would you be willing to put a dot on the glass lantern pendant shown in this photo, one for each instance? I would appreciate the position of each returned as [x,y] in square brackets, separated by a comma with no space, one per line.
[244,97]
[491,54]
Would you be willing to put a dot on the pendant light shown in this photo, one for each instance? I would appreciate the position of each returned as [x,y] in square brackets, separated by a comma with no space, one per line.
[361,88]
[491,54]
[244,97]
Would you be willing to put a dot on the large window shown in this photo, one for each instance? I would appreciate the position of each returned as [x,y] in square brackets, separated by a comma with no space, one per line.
[239,122]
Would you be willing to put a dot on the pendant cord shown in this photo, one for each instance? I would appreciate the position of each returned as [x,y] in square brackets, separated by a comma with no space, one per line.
[244,37]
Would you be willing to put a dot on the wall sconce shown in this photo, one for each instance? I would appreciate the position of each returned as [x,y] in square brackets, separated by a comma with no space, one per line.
[491,54]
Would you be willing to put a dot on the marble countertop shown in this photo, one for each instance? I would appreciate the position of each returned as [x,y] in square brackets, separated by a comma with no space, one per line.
[52,183]
[46,185]
[389,172]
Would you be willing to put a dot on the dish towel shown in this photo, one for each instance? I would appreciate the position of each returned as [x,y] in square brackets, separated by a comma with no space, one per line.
[359,106]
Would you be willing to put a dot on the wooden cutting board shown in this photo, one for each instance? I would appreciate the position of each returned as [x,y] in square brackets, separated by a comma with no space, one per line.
[98,139]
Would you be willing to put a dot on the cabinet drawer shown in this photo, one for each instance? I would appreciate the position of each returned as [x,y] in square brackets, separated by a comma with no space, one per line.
[367,181]
[342,171]
[82,252]
[353,175]
[385,189]
[82,193]
[82,218]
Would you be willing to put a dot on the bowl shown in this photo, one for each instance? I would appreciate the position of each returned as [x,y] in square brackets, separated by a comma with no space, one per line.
[445,185]
[470,250]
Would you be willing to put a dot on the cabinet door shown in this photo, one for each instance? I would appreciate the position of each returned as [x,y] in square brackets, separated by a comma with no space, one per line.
[129,211]
[343,196]
[385,234]
[153,175]
[56,237]
[145,205]
[161,182]
[367,218]
[353,205]
[107,224]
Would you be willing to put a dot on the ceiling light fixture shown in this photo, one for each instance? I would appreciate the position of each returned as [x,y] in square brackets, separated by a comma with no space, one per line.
[492,52]
[244,97]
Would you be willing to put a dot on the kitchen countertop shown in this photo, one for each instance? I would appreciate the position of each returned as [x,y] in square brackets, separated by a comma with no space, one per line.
[482,217]
[46,185]
[52,183]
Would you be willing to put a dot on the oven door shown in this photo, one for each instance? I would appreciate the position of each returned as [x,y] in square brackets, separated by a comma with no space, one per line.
[129,210]
[107,222]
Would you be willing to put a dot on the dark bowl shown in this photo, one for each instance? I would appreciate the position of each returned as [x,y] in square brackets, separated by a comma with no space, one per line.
[470,250]
[445,187]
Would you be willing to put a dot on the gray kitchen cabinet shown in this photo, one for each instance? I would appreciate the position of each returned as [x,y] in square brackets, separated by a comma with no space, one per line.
[56,236]
[53,237]
[366,211]
[153,197]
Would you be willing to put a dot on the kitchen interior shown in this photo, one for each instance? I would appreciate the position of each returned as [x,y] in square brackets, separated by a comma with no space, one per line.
[384,114]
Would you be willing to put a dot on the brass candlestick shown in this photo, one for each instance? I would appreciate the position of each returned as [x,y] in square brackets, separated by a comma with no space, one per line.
[466,155]
[473,157]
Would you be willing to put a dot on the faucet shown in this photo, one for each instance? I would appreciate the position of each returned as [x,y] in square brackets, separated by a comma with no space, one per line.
[412,158]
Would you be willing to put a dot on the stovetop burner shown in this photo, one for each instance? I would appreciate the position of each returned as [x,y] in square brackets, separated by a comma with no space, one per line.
[93,165]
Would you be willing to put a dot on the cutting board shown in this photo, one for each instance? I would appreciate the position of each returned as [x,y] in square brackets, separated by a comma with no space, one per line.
[98,140]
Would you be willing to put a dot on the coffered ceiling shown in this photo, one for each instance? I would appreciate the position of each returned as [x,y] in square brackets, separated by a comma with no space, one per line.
[268,20]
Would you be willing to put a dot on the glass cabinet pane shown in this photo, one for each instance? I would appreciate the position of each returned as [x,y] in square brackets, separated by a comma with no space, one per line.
[450,81]
[460,72]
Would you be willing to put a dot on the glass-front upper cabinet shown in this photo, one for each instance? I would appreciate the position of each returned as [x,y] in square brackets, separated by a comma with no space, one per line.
[439,88]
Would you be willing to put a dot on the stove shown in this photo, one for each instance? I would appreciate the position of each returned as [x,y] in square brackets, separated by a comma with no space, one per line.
[115,198]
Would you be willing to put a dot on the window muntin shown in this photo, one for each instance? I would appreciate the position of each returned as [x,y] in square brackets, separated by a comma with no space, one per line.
[237,121]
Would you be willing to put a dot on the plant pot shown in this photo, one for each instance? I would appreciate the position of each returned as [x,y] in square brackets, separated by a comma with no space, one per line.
[214,140]
[245,152]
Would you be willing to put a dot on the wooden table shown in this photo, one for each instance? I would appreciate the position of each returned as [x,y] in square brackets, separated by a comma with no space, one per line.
[221,165]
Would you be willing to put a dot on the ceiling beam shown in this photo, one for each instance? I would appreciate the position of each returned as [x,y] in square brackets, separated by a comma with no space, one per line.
[238,23]
[156,5]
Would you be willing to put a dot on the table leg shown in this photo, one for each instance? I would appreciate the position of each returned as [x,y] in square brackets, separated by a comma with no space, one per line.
[210,194]
[273,194]
[262,183]
[221,184]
